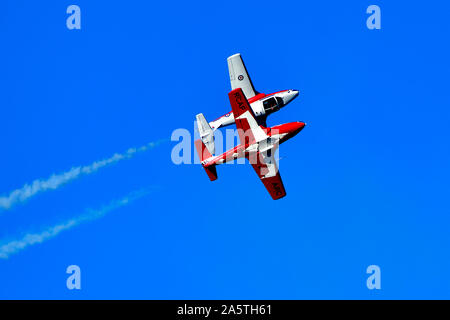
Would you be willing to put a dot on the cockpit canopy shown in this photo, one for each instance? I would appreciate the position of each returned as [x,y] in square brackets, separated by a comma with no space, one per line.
[272,104]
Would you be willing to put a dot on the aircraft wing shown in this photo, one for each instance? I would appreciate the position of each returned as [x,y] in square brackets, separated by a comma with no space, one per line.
[266,168]
[248,129]
[239,76]
[260,147]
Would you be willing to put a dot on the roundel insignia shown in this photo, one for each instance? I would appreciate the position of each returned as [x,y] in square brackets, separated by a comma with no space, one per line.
[241,77]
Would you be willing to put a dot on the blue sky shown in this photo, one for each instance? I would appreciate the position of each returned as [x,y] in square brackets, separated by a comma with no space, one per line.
[366,180]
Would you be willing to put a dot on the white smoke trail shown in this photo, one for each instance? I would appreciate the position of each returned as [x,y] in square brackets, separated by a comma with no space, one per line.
[14,246]
[56,180]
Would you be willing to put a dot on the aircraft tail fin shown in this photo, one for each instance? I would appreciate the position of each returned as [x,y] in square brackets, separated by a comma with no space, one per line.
[203,154]
[206,133]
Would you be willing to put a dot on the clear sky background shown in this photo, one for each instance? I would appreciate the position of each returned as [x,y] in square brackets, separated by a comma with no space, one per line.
[367,180]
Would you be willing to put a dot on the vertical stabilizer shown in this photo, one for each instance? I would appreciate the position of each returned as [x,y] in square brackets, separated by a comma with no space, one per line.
[206,133]
[204,154]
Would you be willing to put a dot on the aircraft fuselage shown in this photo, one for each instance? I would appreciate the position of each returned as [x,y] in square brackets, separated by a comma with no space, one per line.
[261,104]
[277,134]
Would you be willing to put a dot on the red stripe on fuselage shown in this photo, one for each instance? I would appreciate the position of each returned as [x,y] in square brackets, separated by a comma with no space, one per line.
[257,97]
[291,129]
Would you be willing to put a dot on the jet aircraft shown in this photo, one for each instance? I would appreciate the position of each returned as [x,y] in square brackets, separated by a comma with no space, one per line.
[261,104]
[258,145]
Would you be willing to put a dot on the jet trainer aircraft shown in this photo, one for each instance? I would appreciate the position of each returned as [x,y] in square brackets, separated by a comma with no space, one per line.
[261,104]
[258,145]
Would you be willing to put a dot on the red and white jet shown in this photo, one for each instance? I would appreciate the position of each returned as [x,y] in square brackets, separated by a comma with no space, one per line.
[258,145]
[261,104]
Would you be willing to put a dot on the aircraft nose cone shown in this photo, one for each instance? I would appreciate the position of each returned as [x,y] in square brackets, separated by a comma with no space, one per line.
[299,126]
[290,95]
